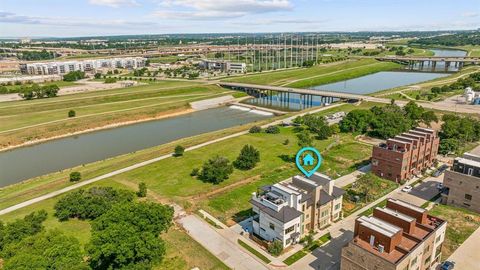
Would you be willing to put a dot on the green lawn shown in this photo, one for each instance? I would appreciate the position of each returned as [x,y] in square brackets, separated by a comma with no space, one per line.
[320,74]
[461,224]
[308,249]
[254,251]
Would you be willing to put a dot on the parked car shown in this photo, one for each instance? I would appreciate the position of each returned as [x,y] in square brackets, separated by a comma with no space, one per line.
[440,170]
[447,265]
[407,188]
[440,186]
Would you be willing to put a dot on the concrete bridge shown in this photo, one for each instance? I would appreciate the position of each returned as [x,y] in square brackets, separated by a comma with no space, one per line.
[432,60]
[305,94]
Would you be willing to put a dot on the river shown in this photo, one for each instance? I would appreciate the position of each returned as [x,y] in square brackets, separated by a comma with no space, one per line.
[51,156]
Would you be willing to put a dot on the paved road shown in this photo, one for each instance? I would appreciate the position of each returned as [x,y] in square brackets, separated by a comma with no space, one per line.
[225,249]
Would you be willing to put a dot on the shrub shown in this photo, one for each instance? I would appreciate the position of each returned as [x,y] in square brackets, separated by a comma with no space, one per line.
[216,170]
[195,172]
[142,190]
[71,113]
[248,158]
[275,248]
[179,150]
[255,129]
[272,130]
[286,142]
[75,176]
[110,80]
[74,76]
[97,75]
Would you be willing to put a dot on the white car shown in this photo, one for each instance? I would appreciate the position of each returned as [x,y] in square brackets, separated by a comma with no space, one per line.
[440,186]
[407,189]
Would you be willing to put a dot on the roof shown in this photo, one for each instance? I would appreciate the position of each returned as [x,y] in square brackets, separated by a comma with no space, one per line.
[337,192]
[379,226]
[326,198]
[285,214]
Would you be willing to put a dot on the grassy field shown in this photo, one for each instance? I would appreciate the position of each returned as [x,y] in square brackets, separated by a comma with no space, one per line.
[182,251]
[317,75]
[461,224]
[38,186]
[39,119]
[15,88]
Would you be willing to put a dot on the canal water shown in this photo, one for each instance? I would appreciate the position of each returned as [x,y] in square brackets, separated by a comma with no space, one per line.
[27,162]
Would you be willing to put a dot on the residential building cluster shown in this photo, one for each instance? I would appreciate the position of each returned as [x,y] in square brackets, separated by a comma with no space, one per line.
[399,236]
[289,210]
[462,183]
[223,66]
[471,97]
[405,155]
[91,65]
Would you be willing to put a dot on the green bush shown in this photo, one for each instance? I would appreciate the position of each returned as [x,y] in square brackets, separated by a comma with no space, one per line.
[75,176]
[142,190]
[272,130]
[248,158]
[179,150]
[275,248]
[216,170]
[110,80]
[71,113]
[255,129]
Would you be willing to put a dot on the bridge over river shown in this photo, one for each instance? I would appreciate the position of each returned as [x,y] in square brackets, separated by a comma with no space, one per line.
[458,61]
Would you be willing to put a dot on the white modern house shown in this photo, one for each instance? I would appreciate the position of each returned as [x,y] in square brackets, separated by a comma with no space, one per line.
[289,210]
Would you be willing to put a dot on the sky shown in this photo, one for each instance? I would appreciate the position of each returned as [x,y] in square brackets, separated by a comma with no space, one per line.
[72,18]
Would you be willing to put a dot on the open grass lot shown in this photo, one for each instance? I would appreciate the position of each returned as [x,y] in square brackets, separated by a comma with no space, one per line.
[232,205]
[461,224]
[182,251]
[23,122]
[320,74]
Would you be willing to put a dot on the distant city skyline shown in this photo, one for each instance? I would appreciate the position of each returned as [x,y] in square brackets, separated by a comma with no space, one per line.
[56,18]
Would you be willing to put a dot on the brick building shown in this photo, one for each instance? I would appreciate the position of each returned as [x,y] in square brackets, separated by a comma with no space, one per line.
[405,155]
[462,183]
[400,236]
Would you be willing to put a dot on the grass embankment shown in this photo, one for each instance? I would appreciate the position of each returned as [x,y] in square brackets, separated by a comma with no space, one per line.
[28,121]
[320,74]
[182,251]
[308,249]
[461,224]
[254,251]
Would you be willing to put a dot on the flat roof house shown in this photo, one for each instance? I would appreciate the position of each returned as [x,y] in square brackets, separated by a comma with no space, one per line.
[289,210]
[399,236]
[462,183]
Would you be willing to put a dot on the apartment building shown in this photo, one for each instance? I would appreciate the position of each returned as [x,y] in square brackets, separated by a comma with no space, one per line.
[289,210]
[405,155]
[462,183]
[91,65]
[400,236]
[223,66]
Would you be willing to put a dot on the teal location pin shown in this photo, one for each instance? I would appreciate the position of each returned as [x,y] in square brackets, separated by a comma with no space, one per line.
[309,159]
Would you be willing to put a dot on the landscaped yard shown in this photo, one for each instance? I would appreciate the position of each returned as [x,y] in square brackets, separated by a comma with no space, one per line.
[306,250]
[461,224]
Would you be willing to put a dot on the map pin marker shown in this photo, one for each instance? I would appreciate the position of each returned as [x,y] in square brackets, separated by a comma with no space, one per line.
[312,156]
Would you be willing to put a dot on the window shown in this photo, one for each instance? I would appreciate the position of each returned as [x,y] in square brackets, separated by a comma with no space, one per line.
[414,261]
[289,230]
[438,239]
[468,197]
[427,248]
[337,206]
[324,213]
[272,226]
[303,207]
[470,171]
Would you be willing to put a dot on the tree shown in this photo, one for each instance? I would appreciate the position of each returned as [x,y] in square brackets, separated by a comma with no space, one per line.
[356,121]
[216,170]
[142,190]
[248,158]
[194,172]
[46,250]
[110,80]
[91,203]
[179,150]
[255,129]
[75,176]
[304,139]
[74,76]
[413,111]
[272,130]
[428,117]
[275,248]
[127,236]
[19,229]
[448,146]
[71,113]
[97,76]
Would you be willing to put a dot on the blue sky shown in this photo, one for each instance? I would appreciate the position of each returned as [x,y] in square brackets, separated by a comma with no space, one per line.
[34,18]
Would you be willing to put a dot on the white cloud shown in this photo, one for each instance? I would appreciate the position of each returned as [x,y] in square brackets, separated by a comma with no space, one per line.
[214,9]
[113,3]
[470,14]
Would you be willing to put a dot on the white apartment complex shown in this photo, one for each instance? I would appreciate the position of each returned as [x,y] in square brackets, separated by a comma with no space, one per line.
[223,66]
[90,65]
[289,210]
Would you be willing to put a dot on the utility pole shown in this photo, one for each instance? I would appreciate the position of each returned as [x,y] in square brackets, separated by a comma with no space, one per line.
[291,51]
[254,54]
[285,51]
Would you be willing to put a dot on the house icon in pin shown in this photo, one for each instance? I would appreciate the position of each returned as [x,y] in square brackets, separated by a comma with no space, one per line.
[308,160]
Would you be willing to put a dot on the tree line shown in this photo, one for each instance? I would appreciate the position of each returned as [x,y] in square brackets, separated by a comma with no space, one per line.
[36,91]
[125,234]
[459,39]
